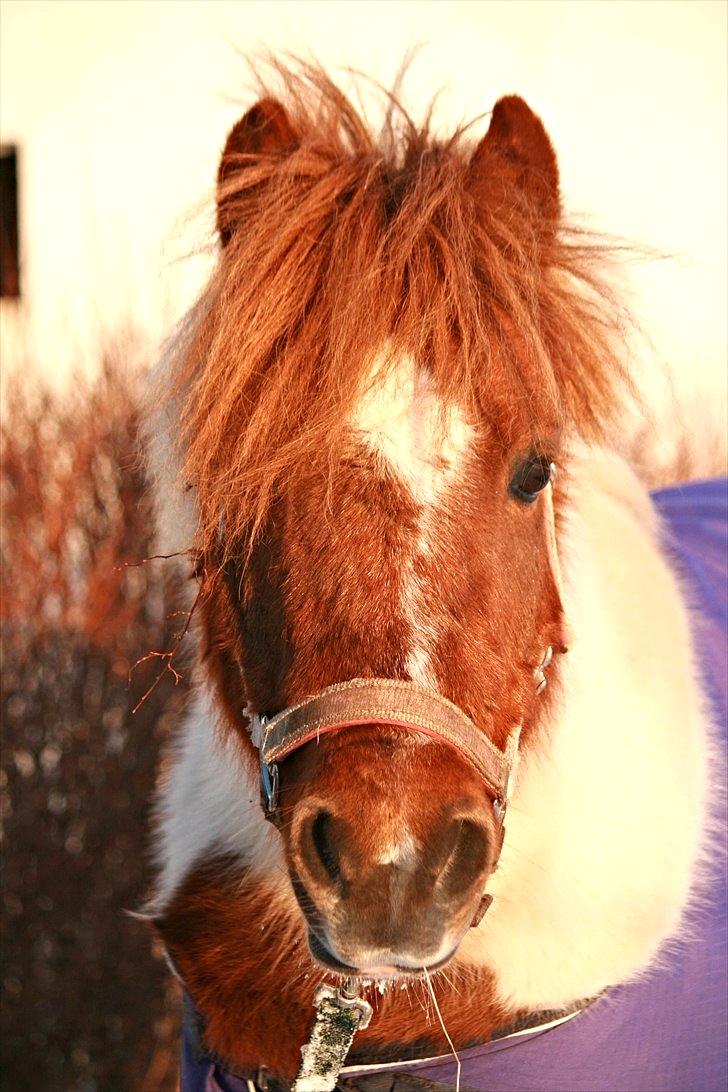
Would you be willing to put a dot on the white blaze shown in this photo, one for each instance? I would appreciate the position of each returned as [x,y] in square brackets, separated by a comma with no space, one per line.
[425,443]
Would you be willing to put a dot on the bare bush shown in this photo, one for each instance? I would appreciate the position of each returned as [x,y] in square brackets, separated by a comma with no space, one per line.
[87,1004]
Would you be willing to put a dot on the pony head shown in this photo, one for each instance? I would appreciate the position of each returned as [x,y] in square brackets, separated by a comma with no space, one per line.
[382,377]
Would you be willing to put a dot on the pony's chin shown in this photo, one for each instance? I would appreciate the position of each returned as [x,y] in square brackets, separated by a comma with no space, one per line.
[331,963]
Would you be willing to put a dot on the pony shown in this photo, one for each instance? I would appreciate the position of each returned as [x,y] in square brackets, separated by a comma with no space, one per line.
[389,433]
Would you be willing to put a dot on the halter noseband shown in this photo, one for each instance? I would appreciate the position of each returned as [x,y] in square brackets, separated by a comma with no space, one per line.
[394,702]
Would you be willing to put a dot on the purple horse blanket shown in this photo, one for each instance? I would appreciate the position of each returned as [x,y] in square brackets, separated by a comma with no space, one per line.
[665,1032]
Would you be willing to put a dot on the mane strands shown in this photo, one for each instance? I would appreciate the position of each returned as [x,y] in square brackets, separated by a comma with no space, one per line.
[342,242]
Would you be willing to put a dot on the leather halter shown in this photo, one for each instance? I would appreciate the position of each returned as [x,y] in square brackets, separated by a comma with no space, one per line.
[394,702]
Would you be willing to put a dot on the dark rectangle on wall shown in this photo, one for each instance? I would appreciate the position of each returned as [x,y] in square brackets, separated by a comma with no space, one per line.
[9,257]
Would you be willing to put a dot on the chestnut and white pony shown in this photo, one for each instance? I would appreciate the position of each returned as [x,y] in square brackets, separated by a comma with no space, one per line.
[387,435]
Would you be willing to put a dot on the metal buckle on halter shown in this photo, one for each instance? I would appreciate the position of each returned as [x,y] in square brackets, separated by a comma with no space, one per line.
[269,780]
[269,787]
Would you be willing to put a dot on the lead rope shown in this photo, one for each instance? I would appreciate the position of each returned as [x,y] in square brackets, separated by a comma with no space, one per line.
[340,1013]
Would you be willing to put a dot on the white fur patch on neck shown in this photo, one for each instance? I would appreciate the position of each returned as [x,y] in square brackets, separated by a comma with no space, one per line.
[209,804]
[425,443]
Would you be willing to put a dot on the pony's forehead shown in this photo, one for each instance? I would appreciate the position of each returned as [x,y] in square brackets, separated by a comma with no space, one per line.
[410,427]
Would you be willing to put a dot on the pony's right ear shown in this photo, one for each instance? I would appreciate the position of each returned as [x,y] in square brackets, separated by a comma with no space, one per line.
[263,132]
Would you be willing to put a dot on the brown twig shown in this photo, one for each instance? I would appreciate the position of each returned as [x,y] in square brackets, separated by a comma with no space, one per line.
[166,656]
[152,557]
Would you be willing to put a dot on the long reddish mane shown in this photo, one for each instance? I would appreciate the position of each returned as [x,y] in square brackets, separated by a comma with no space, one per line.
[352,240]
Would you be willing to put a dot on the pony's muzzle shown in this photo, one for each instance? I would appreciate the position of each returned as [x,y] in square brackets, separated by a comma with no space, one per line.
[387,906]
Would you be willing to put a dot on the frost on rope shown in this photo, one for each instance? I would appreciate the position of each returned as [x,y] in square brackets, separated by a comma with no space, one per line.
[325,1053]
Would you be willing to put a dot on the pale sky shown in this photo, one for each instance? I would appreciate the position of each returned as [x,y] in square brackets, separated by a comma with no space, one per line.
[119,110]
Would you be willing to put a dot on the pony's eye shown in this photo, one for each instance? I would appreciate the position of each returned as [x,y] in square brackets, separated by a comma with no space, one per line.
[531,476]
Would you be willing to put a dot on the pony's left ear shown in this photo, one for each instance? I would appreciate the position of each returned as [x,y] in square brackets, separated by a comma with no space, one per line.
[265,131]
[516,154]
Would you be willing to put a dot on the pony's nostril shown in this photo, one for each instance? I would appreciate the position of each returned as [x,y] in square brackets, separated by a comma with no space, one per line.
[468,857]
[322,836]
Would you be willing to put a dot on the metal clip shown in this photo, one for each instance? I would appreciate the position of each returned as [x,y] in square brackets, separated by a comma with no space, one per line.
[345,997]
[269,787]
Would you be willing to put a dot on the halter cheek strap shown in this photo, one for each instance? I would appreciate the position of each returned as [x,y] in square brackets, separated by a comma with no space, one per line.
[564,636]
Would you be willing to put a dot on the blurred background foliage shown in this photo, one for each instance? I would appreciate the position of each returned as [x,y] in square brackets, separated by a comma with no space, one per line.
[88,1003]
